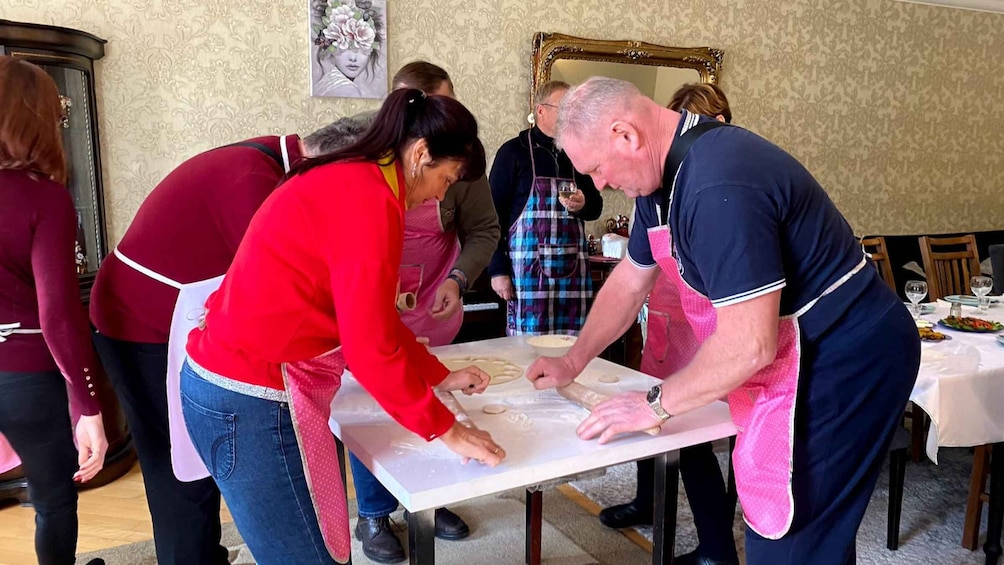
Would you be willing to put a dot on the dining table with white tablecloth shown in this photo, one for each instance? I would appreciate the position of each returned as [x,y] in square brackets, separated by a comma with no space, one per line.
[961,387]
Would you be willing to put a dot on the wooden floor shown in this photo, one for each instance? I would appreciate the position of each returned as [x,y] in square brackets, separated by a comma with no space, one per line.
[112,515]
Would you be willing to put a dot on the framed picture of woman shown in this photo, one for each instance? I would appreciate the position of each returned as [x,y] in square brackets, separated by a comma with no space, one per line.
[348,48]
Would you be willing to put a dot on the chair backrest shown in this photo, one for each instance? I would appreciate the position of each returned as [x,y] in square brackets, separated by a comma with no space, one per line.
[875,248]
[948,271]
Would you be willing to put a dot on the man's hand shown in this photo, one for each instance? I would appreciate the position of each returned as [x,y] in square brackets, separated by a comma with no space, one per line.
[469,380]
[91,447]
[502,285]
[624,413]
[573,203]
[447,301]
[547,372]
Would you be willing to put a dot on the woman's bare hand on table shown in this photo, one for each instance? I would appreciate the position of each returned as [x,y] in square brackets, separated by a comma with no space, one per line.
[469,380]
[473,444]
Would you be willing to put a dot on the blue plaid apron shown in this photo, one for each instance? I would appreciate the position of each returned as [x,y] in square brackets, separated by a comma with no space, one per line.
[549,263]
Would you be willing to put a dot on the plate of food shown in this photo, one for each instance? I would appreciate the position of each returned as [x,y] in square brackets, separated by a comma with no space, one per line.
[927,334]
[968,324]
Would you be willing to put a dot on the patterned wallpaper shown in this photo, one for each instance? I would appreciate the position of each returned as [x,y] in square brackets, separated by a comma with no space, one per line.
[895,107]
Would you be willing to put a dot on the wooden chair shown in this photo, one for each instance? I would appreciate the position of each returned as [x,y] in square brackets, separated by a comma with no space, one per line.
[875,248]
[948,271]
[977,496]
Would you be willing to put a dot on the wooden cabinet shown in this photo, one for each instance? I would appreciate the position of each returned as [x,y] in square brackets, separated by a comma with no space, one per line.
[68,56]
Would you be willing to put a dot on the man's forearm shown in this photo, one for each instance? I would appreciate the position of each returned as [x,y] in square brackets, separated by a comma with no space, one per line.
[614,310]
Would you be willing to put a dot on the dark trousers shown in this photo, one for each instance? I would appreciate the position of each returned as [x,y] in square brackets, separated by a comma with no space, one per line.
[186,516]
[35,418]
[709,501]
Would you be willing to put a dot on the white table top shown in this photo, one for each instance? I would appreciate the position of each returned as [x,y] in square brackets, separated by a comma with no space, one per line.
[537,432]
[961,384]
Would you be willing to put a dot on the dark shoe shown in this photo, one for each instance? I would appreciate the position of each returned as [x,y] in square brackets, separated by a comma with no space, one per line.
[626,516]
[693,558]
[97,561]
[449,526]
[379,542]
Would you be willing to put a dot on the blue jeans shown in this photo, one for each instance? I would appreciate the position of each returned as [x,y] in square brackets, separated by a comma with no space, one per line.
[249,446]
[373,499]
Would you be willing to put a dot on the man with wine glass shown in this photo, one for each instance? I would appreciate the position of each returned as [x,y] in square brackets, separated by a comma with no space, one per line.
[541,265]
[816,355]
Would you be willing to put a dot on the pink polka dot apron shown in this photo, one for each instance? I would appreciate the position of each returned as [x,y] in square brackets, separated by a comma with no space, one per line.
[762,408]
[671,343]
[429,254]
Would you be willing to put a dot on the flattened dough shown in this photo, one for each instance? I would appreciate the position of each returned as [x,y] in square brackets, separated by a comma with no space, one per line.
[609,379]
[493,409]
[499,370]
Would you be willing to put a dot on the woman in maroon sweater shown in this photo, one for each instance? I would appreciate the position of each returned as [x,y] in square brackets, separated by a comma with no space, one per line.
[44,338]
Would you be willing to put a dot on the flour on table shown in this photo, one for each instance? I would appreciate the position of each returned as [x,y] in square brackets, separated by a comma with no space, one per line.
[499,370]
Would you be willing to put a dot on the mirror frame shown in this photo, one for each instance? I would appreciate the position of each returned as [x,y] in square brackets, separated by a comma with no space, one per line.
[550,47]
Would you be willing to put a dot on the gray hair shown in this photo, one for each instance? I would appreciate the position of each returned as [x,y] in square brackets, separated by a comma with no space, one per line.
[340,133]
[586,106]
[545,91]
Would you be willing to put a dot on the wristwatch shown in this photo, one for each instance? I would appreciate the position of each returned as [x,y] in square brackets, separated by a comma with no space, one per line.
[460,278]
[654,399]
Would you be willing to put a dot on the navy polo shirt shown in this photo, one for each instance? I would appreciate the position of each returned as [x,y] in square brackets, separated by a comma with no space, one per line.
[748,219]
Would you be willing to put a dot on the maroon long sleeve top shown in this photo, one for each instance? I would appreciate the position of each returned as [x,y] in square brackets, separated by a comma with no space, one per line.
[39,287]
[187,230]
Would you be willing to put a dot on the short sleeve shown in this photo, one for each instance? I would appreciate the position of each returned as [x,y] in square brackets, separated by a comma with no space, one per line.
[639,248]
[733,241]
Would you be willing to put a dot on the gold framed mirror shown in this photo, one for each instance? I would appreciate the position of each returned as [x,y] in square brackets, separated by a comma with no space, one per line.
[657,70]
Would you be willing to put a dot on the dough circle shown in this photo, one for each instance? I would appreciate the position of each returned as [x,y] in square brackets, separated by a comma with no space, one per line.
[609,379]
[493,409]
[499,370]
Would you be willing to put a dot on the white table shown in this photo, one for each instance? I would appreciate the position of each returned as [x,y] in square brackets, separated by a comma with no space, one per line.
[538,434]
[961,387]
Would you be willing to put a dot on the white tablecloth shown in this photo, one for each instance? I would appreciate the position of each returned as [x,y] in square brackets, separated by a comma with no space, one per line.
[961,384]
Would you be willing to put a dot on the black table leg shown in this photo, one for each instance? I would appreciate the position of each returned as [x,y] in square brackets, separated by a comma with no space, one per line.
[992,547]
[422,537]
[667,473]
[534,516]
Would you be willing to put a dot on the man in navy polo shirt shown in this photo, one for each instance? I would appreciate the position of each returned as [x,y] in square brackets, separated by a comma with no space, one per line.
[816,355]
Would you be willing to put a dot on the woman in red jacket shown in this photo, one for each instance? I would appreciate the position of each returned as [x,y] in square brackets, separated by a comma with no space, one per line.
[44,338]
[313,287]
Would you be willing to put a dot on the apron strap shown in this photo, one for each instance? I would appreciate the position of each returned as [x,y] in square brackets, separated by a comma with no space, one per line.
[677,152]
[148,272]
[281,161]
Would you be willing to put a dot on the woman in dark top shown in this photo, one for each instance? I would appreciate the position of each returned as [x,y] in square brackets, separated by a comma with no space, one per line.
[44,338]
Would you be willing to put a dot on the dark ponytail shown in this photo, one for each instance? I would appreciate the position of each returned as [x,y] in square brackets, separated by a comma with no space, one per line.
[407,115]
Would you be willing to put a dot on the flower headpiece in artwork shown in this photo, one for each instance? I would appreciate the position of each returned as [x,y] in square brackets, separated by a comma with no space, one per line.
[346,24]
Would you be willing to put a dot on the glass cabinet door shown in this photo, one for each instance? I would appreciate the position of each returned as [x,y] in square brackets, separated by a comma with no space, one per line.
[78,143]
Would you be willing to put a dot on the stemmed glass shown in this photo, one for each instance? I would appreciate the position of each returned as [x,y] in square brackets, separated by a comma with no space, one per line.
[981,286]
[915,292]
[566,189]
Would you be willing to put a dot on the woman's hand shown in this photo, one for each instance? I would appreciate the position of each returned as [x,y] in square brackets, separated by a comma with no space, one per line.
[624,413]
[469,380]
[573,203]
[91,447]
[473,444]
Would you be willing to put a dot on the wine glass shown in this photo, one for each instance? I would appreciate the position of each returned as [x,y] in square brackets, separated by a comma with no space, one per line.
[915,292]
[566,189]
[980,286]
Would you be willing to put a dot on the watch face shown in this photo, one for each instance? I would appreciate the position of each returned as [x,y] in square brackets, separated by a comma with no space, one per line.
[654,393]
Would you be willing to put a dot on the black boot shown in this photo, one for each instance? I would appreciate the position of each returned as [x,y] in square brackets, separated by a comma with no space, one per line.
[449,526]
[627,515]
[693,558]
[379,542]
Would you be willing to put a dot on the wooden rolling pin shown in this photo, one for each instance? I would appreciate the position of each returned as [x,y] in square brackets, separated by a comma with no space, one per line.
[589,398]
[453,405]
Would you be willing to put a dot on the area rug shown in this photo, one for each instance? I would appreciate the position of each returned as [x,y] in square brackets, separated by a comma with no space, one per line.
[571,536]
[934,505]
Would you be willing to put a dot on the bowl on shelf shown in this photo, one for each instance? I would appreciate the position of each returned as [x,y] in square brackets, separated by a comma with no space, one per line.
[551,345]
